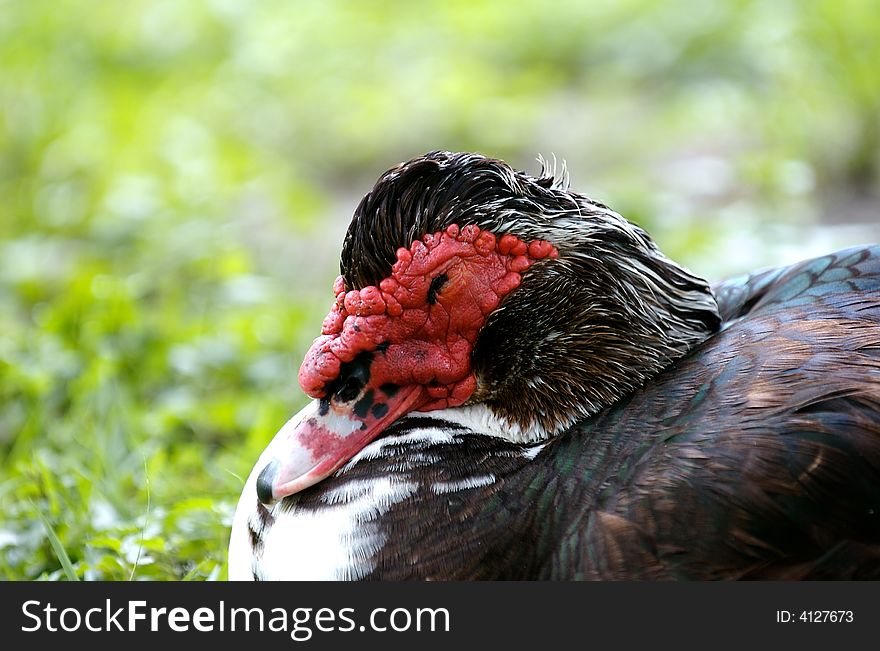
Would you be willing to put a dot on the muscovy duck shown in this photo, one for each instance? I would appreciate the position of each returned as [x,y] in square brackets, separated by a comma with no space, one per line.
[515,383]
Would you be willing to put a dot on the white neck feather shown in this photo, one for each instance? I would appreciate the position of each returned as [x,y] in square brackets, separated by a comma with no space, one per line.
[482,420]
[340,540]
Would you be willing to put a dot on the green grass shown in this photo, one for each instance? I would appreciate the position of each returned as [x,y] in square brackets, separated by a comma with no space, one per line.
[175,179]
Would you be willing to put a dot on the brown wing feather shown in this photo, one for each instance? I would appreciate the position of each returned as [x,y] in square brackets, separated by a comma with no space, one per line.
[765,459]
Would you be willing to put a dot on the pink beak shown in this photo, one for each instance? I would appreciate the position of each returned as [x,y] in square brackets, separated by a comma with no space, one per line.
[323,436]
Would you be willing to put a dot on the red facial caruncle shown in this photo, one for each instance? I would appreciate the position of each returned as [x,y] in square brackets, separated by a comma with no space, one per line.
[400,347]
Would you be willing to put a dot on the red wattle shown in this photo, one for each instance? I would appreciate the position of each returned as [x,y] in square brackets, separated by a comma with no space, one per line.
[425,335]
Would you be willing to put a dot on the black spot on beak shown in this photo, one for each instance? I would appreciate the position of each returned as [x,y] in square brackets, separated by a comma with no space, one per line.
[379,410]
[362,406]
[389,389]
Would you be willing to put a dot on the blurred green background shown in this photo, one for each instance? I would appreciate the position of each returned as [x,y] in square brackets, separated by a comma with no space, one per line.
[176,177]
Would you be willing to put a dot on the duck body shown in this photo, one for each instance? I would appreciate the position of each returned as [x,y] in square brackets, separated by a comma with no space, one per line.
[754,454]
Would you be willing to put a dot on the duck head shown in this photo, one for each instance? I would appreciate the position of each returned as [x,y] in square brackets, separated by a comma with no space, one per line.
[467,285]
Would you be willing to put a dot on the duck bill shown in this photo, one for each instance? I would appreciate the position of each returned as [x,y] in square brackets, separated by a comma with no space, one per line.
[322,437]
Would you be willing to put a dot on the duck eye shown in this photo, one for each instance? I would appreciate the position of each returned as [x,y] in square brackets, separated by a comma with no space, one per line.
[353,376]
[436,284]
[349,390]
